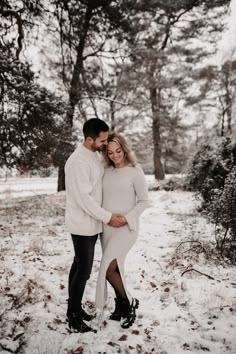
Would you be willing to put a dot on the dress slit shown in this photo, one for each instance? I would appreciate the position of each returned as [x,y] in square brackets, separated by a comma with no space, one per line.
[101,293]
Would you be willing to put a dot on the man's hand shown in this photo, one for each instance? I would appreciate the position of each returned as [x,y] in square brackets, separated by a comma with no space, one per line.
[117,220]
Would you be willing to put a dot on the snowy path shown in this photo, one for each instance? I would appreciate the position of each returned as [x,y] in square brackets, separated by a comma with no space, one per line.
[178,314]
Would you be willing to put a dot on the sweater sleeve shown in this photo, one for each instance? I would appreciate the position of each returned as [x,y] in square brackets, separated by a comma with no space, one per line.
[141,191]
[82,188]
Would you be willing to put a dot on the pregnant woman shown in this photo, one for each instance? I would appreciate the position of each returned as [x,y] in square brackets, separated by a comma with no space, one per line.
[125,193]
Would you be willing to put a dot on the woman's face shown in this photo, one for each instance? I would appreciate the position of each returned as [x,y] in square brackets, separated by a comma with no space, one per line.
[115,154]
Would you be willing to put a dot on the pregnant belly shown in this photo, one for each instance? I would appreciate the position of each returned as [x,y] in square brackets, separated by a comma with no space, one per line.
[117,209]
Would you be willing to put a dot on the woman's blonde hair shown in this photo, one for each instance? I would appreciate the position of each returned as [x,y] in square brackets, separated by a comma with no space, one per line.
[130,158]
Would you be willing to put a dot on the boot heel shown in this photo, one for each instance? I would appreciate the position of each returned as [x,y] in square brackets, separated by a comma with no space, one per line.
[129,314]
[136,303]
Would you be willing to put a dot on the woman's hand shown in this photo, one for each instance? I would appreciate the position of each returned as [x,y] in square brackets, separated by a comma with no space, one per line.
[117,220]
[123,219]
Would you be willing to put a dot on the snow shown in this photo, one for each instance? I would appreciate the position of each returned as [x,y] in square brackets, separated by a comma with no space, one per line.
[178,313]
[14,187]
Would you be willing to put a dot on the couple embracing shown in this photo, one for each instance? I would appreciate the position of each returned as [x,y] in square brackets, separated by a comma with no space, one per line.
[104,196]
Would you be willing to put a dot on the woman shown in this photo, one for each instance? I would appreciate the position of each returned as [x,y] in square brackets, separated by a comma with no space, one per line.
[125,193]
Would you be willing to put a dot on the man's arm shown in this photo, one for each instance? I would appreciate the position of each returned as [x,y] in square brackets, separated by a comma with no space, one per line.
[78,177]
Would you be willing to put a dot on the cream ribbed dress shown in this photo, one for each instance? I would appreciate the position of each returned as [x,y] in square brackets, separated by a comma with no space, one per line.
[124,192]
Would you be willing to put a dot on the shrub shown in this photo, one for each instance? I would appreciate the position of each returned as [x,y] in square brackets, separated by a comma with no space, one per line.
[210,166]
[212,175]
[175,182]
[222,211]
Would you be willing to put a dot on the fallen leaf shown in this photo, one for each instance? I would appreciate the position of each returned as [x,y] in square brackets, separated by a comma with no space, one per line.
[186,346]
[135,331]
[167,290]
[62,286]
[147,331]
[153,285]
[57,320]
[124,337]
[139,348]
[156,324]
[50,327]
[112,344]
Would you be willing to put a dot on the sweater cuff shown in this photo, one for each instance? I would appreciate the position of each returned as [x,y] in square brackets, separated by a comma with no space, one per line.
[132,222]
[107,217]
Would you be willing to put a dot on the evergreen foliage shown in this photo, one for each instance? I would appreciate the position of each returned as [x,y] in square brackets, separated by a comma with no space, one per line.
[29,119]
[31,125]
[212,175]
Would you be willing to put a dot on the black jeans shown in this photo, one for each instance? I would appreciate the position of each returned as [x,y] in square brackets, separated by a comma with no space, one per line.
[80,270]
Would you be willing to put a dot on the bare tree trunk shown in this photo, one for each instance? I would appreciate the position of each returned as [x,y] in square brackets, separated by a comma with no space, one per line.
[61,177]
[74,94]
[222,124]
[155,104]
[229,113]
[112,115]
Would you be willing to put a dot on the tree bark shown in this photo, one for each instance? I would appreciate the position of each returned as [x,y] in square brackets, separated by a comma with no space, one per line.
[228,101]
[113,125]
[74,93]
[6,13]
[155,105]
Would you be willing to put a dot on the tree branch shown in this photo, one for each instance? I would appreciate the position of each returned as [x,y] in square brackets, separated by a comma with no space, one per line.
[174,19]
[106,99]
[6,13]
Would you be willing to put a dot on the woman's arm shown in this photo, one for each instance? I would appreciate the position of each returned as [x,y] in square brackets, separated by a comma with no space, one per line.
[141,191]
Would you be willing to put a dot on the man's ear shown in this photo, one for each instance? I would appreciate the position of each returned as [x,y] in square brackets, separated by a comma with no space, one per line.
[89,140]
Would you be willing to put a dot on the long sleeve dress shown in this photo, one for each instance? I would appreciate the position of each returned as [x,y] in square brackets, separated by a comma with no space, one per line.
[124,192]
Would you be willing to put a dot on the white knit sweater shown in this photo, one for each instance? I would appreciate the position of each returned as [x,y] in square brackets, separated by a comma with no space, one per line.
[83,175]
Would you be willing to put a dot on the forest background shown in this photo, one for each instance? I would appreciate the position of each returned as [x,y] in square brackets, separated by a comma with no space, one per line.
[161,72]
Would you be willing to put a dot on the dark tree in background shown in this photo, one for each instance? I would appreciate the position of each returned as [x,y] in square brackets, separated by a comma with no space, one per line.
[152,57]
[217,91]
[85,26]
[29,114]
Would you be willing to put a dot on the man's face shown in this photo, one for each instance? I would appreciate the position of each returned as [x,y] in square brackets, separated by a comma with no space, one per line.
[100,142]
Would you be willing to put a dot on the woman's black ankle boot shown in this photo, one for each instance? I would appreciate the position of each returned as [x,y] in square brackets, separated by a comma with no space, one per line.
[117,313]
[129,312]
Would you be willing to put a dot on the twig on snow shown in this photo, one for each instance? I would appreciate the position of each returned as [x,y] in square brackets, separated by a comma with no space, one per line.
[197,245]
[195,270]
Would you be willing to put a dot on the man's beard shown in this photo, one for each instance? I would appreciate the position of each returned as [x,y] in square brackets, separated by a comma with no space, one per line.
[96,148]
[100,148]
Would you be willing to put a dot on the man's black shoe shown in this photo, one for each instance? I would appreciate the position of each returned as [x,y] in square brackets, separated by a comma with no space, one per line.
[85,316]
[77,325]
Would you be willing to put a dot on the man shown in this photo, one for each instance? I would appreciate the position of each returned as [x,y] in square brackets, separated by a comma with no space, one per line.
[84,214]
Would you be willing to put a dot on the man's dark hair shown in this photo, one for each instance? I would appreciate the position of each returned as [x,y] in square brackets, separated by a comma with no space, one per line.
[93,127]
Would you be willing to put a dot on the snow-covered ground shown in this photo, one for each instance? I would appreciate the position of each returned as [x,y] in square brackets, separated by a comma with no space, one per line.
[178,312]
[14,187]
